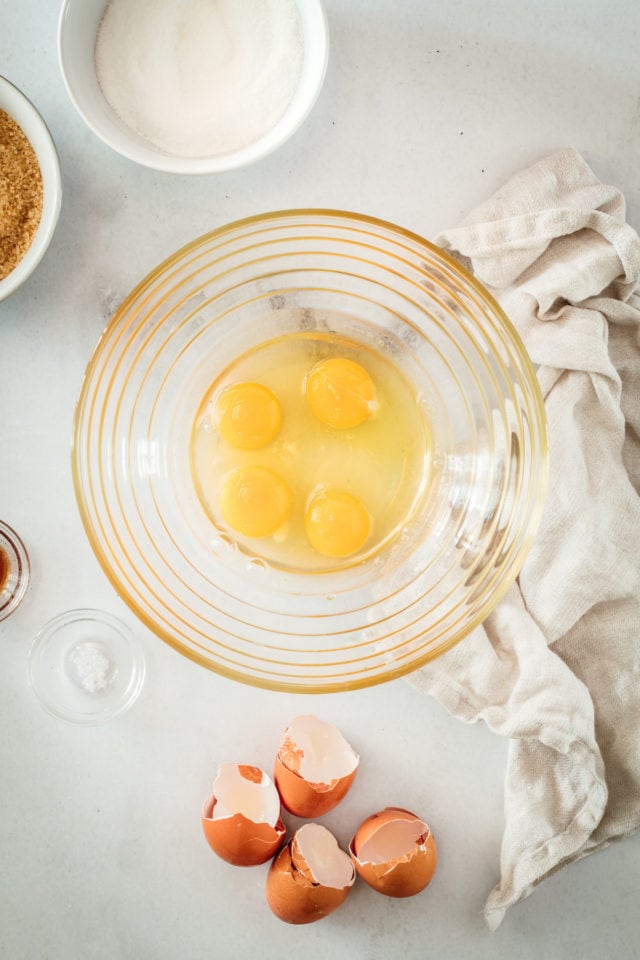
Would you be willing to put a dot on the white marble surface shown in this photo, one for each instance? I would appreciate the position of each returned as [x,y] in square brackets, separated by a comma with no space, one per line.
[426,109]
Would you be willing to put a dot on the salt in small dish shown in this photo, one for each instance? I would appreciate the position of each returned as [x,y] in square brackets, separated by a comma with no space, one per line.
[86,667]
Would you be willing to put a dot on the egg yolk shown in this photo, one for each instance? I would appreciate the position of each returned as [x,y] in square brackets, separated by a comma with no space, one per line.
[255,501]
[337,524]
[340,393]
[249,415]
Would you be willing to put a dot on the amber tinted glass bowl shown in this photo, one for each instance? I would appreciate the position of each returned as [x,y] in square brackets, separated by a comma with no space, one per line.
[186,578]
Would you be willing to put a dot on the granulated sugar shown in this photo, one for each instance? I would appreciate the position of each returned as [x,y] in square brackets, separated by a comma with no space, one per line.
[199,77]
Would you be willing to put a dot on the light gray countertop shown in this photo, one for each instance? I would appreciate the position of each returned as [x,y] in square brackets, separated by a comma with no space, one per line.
[427,108]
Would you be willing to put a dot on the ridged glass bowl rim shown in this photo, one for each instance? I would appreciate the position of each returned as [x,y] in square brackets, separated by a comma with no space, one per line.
[516,344]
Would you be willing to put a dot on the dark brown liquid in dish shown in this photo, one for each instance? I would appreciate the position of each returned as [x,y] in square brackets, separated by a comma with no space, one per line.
[4,568]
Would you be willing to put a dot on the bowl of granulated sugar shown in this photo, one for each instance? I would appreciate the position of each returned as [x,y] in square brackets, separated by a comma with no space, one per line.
[192,87]
[30,188]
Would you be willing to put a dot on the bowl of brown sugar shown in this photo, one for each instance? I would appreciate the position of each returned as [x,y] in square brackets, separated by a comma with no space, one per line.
[30,188]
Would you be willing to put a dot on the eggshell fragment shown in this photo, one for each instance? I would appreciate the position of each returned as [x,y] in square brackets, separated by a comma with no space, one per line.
[310,877]
[394,852]
[314,767]
[241,819]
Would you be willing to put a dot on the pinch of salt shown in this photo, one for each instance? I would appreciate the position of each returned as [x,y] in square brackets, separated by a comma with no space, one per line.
[92,667]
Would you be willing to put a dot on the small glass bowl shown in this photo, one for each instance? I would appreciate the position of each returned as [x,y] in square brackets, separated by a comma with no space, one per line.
[86,667]
[14,570]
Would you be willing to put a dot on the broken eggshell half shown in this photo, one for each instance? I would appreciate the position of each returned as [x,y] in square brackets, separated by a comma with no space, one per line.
[241,819]
[310,877]
[314,767]
[394,852]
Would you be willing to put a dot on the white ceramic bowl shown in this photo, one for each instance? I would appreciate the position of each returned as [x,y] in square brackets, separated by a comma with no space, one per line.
[77,29]
[13,102]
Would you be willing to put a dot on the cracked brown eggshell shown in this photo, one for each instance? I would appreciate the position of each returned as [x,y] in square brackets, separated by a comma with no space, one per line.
[314,767]
[241,819]
[310,877]
[394,852]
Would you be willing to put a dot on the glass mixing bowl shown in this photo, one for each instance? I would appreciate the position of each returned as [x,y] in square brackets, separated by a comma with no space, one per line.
[186,577]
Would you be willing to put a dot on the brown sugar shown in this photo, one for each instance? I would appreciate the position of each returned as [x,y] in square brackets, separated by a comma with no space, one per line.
[20,194]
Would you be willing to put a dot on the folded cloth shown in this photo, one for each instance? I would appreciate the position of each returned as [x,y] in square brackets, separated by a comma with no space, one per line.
[556,667]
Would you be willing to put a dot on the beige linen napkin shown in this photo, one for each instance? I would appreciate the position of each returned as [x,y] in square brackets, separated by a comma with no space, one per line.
[556,668]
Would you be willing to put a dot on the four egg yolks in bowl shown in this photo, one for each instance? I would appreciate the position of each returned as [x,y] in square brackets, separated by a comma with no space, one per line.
[309,457]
